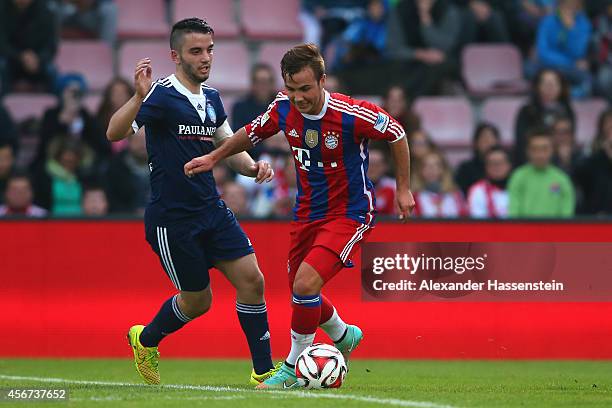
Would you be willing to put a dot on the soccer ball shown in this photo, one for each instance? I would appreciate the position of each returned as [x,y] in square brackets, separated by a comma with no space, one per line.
[321,366]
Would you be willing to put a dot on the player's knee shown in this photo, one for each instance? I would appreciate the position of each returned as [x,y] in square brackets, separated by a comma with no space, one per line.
[255,283]
[195,306]
[306,284]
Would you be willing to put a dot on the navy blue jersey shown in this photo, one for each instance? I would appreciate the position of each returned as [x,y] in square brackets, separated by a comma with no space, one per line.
[179,126]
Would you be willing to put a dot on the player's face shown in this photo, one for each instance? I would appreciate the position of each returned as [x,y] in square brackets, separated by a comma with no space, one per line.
[305,92]
[195,56]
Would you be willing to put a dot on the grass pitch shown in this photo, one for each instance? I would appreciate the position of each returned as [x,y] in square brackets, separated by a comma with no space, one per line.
[370,383]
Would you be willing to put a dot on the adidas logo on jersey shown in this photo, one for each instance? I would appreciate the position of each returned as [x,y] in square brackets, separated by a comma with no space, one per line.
[200,107]
[293,133]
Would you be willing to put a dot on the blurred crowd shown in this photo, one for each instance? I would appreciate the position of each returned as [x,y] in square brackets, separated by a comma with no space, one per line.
[395,51]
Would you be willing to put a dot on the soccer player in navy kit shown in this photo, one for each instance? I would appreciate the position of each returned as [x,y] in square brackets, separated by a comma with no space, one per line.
[187,224]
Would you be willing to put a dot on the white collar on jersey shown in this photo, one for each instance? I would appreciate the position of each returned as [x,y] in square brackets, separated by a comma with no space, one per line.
[320,114]
[182,89]
[198,101]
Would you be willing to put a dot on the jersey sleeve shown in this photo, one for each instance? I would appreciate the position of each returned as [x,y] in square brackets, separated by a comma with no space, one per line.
[151,110]
[373,122]
[221,115]
[265,125]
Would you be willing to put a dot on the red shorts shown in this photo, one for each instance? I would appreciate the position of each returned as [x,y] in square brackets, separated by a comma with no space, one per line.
[335,239]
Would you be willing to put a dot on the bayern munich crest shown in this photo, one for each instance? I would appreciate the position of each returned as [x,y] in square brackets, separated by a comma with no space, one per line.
[331,140]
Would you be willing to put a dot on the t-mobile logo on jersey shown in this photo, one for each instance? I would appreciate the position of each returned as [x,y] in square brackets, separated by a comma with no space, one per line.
[303,157]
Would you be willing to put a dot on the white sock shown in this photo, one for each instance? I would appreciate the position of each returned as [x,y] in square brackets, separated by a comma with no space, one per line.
[334,327]
[299,343]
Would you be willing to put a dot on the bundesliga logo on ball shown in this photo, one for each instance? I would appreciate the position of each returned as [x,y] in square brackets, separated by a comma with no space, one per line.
[321,366]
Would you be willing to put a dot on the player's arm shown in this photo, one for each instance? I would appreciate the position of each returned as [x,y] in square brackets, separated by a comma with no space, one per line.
[245,138]
[120,125]
[242,162]
[375,123]
[401,158]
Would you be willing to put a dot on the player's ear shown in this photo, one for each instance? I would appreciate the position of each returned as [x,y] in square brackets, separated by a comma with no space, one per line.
[322,81]
[174,56]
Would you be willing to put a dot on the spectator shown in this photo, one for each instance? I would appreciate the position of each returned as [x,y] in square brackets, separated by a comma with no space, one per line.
[422,41]
[116,93]
[364,40]
[262,93]
[549,98]
[95,202]
[128,177]
[384,186]
[562,43]
[235,197]
[18,198]
[28,42]
[538,188]
[8,131]
[323,20]
[470,171]
[484,21]
[89,19]
[397,104]
[7,161]
[436,195]
[604,123]
[420,144]
[602,45]
[526,19]
[567,153]
[594,178]
[57,186]
[69,119]
[488,198]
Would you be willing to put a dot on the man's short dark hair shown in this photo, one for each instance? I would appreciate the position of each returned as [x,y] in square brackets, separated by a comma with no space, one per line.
[261,66]
[497,149]
[300,57]
[186,26]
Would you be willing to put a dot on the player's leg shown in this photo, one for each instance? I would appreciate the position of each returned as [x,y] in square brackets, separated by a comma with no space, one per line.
[185,264]
[234,255]
[244,274]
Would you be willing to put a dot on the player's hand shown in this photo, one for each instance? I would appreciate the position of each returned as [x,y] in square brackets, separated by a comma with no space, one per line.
[143,75]
[405,202]
[199,165]
[263,171]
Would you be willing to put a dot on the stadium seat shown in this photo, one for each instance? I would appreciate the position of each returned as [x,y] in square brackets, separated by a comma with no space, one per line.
[493,69]
[230,70]
[260,23]
[502,112]
[158,51]
[219,13]
[271,53]
[139,19]
[26,106]
[449,120]
[93,59]
[587,114]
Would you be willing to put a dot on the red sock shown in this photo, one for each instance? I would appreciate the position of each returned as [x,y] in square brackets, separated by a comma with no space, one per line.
[327,309]
[306,313]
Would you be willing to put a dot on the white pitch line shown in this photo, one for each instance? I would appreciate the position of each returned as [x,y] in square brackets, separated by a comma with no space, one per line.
[301,394]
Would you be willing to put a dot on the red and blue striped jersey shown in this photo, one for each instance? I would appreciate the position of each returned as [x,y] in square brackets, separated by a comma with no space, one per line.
[331,153]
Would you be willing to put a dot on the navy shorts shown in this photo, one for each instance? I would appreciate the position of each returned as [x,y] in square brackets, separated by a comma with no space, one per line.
[189,248]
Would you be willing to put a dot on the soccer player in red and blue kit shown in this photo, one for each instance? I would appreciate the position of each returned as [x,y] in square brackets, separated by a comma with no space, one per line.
[335,204]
